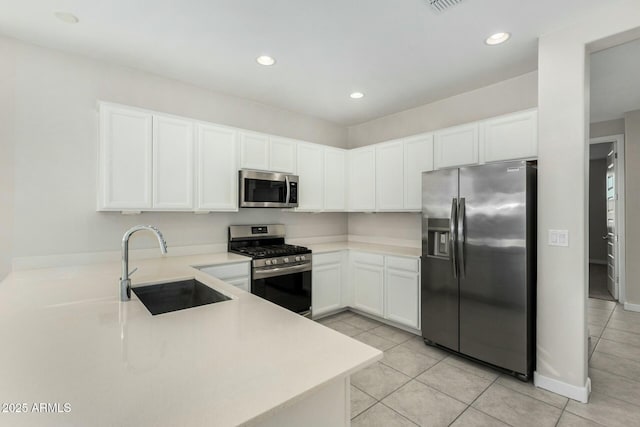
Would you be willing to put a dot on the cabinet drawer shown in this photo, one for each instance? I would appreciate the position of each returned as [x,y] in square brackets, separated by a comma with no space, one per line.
[403,263]
[328,258]
[366,258]
[227,271]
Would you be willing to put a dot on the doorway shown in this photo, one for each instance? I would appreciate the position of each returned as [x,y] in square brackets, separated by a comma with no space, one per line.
[606,219]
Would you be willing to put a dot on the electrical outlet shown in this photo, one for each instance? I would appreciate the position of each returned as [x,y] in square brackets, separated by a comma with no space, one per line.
[559,238]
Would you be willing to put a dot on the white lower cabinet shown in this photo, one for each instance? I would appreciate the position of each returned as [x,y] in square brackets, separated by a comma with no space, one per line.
[238,274]
[381,285]
[402,291]
[327,282]
[368,282]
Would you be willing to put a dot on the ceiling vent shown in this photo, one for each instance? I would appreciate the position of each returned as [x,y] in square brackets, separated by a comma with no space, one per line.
[442,5]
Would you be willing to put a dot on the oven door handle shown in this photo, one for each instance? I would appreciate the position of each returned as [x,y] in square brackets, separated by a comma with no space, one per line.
[280,271]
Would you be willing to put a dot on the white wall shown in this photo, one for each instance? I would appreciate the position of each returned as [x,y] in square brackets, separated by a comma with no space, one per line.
[562,197]
[518,93]
[6,156]
[606,128]
[393,227]
[56,154]
[632,205]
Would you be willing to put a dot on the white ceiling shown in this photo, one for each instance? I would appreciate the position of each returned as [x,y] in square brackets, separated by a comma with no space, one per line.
[398,52]
[615,81]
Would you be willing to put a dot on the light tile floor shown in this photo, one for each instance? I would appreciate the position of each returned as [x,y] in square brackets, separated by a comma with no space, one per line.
[420,385]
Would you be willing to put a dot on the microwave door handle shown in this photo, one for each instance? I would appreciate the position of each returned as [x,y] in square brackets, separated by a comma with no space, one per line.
[288,185]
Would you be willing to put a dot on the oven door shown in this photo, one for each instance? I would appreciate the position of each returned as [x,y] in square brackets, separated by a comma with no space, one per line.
[267,190]
[289,287]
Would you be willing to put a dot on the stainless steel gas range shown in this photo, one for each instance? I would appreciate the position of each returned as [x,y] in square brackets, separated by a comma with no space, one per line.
[280,273]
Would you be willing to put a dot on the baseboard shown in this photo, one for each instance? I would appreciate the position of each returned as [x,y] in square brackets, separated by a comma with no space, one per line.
[632,307]
[385,241]
[597,261]
[67,260]
[581,394]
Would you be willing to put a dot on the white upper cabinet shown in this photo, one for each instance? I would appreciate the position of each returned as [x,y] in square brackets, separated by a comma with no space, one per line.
[125,158]
[310,173]
[172,163]
[268,153]
[334,179]
[216,168]
[282,155]
[361,167]
[514,136]
[390,176]
[418,158]
[456,146]
[254,151]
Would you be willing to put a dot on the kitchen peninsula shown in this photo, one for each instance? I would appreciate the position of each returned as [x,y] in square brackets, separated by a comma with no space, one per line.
[68,339]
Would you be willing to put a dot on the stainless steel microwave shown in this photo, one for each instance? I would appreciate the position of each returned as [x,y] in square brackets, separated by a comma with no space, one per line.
[260,189]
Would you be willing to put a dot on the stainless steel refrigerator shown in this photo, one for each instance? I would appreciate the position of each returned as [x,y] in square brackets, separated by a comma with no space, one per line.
[479,263]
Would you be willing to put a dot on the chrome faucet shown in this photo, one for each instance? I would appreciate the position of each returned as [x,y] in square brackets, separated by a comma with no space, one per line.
[125,281]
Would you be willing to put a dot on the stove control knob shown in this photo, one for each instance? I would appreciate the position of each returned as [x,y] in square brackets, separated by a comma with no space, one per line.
[275,261]
[285,260]
[298,258]
[303,257]
[268,262]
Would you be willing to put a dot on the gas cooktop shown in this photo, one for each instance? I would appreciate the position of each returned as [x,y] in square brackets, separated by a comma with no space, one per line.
[269,251]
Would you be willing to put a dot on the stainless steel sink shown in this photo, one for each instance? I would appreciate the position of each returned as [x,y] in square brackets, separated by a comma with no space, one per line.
[174,296]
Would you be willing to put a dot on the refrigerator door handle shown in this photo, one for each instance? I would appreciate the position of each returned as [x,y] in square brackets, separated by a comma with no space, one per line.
[453,226]
[461,236]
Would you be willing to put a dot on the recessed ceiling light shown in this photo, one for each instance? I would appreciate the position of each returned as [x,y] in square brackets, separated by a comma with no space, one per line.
[356,95]
[265,60]
[497,38]
[67,17]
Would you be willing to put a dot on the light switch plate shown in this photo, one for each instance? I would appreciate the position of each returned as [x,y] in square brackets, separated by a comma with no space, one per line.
[559,238]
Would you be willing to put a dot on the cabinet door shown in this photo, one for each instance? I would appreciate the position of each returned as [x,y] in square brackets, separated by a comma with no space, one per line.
[217,170]
[418,158]
[457,146]
[361,191]
[368,288]
[310,173]
[282,155]
[334,179]
[402,302]
[125,158]
[326,292]
[254,151]
[510,137]
[390,176]
[172,163]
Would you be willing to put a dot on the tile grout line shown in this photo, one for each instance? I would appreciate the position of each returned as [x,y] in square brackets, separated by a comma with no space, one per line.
[535,398]
[408,419]
[564,409]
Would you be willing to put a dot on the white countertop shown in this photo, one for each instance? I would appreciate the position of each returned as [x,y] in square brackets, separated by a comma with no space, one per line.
[66,337]
[365,247]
